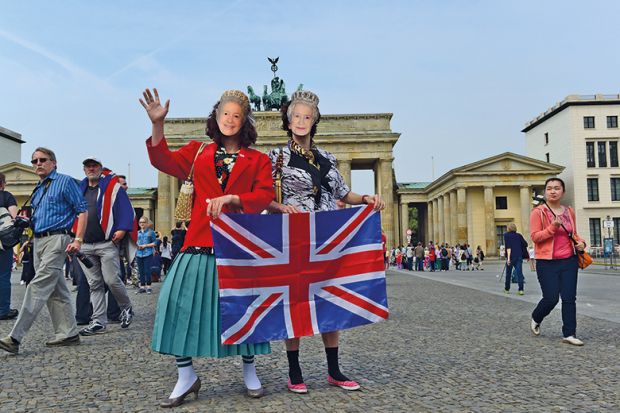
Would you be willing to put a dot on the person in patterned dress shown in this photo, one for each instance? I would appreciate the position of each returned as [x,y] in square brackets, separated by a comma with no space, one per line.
[310,181]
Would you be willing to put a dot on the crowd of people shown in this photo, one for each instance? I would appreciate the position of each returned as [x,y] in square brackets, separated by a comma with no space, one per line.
[435,257]
[92,221]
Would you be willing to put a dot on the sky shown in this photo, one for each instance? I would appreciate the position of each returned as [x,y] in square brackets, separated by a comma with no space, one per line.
[460,77]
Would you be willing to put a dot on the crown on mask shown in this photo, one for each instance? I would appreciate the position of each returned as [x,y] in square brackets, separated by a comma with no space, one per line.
[237,96]
[305,96]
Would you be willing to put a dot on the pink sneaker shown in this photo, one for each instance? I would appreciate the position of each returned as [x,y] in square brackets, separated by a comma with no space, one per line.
[297,388]
[347,385]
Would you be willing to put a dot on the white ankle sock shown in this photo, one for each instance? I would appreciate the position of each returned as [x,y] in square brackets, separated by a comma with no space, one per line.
[187,377]
[249,376]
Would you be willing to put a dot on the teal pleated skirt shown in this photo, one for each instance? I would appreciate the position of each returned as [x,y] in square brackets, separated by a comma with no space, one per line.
[187,321]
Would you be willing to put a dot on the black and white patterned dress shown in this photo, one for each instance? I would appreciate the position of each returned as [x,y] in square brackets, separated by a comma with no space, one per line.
[306,187]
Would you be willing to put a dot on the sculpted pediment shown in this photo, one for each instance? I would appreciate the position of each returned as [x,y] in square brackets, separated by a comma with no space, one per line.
[16,173]
[507,163]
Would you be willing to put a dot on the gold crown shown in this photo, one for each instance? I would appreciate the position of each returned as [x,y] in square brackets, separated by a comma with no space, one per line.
[305,96]
[236,96]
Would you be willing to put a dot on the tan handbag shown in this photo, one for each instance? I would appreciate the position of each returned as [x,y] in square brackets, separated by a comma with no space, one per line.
[278,178]
[185,202]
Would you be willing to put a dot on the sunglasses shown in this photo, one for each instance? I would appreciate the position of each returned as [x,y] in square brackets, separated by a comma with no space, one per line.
[39,160]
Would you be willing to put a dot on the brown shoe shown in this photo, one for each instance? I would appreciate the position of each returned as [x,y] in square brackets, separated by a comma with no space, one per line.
[69,341]
[10,345]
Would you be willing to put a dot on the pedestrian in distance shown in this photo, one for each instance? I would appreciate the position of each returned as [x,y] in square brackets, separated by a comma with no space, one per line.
[147,240]
[516,252]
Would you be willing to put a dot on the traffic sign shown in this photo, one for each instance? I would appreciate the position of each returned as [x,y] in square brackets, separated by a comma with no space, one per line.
[409,232]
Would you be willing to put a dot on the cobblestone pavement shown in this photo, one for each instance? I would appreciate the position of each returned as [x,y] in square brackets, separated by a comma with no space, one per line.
[597,290]
[445,348]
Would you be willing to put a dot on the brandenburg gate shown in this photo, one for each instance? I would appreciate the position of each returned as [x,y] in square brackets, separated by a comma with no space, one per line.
[359,141]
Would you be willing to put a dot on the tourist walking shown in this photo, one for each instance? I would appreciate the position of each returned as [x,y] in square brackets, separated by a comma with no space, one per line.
[516,252]
[110,219]
[553,229]
[56,201]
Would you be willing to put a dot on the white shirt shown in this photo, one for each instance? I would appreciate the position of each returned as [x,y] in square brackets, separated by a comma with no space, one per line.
[166,252]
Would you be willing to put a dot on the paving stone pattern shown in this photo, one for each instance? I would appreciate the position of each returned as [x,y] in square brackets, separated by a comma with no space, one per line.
[445,349]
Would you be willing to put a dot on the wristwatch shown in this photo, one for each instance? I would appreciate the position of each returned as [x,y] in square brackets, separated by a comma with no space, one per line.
[78,239]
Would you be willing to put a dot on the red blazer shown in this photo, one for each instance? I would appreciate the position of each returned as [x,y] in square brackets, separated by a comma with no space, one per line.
[250,179]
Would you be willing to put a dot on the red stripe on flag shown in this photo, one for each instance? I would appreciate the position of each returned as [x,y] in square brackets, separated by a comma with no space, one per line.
[107,204]
[264,306]
[244,241]
[345,233]
[355,300]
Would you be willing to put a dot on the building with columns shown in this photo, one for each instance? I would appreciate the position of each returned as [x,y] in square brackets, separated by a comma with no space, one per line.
[474,203]
[582,133]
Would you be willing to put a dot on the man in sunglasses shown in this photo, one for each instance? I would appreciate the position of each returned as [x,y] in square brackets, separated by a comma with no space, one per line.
[56,202]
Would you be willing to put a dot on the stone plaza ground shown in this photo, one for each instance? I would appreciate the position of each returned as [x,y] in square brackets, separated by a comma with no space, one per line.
[446,348]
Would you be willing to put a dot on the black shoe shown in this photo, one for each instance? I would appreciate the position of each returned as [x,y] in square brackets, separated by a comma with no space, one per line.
[95,327]
[10,315]
[69,341]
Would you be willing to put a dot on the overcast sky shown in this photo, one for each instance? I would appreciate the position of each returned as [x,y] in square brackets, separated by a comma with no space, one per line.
[461,77]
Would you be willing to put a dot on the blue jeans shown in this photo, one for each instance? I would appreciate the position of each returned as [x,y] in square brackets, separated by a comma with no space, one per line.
[558,278]
[517,266]
[144,267]
[419,264]
[6,265]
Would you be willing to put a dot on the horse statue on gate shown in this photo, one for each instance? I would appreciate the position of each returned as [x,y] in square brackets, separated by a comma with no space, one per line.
[254,99]
[277,97]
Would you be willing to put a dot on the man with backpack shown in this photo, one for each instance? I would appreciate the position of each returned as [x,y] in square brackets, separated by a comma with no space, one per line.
[8,212]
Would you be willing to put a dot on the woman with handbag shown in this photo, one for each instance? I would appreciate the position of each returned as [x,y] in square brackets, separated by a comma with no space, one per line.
[227,176]
[556,244]
[307,180]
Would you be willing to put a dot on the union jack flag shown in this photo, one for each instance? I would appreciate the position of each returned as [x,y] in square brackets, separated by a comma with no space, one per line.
[294,275]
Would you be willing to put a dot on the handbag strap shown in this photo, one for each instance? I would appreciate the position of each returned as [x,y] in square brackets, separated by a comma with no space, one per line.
[190,177]
[570,234]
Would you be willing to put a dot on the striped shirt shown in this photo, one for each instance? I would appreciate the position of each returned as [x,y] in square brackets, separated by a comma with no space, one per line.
[56,208]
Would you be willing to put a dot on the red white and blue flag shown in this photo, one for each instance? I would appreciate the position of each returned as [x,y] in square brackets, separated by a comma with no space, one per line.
[295,275]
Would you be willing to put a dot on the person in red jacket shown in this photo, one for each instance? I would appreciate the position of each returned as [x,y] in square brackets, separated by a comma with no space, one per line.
[228,177]
[552,226]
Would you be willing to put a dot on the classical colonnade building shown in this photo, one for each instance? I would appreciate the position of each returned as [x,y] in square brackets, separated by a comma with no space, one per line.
[474,203]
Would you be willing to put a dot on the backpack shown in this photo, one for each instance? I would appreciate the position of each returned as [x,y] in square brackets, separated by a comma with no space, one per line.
[10,234]
[444,252]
